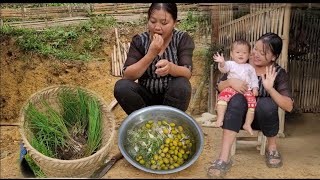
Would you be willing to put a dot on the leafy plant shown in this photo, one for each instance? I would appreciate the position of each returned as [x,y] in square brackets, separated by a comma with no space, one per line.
[94,127]
[212,49]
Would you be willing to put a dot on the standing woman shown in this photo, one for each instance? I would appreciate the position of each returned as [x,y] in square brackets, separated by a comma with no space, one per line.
[161,60]
[274,92]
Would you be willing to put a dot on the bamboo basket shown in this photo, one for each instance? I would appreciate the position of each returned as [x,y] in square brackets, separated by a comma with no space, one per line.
[84,167]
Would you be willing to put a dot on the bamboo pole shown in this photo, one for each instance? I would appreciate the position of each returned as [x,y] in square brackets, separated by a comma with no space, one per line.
[112,64]
[115,60]
[119,57]
[286,30]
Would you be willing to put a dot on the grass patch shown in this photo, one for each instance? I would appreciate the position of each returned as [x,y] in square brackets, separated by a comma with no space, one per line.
[62,42]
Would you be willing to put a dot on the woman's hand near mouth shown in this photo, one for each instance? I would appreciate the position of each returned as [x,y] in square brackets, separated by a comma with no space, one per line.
[156,45]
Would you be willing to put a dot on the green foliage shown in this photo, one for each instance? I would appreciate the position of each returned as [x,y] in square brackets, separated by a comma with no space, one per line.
[189,24]
[62,42]
[213,48]
[94,127]
[92,43]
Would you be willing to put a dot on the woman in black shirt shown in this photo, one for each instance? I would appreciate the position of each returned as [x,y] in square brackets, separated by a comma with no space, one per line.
[161,61]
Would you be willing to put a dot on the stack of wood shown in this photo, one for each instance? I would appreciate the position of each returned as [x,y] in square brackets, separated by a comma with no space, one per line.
[119,55]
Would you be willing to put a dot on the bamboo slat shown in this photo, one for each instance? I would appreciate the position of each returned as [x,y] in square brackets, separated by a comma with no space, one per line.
[115,61]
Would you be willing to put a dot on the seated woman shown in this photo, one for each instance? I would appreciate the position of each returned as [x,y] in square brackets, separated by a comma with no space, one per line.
[274,92]
[161,60]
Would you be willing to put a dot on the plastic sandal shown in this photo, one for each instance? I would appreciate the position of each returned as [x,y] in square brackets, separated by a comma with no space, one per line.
[220,165]
[271,155]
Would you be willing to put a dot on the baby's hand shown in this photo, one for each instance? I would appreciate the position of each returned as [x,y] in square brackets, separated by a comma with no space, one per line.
[218,58]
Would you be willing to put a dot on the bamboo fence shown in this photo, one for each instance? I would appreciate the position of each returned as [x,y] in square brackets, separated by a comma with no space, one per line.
[48,16]
[83,9]
[304,60]
[300,53]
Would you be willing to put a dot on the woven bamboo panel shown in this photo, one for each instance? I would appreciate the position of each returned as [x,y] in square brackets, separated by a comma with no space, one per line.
[304,61]
[73,10]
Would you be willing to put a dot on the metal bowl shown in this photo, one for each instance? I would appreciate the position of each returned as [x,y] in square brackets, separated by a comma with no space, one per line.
[159,112]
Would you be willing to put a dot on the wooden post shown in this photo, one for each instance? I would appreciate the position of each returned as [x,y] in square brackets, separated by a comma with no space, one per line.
[284,60]
[285,38]
[210,93]
[215,23]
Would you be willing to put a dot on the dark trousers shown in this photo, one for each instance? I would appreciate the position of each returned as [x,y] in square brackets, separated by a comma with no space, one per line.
[132,96]
[266,116]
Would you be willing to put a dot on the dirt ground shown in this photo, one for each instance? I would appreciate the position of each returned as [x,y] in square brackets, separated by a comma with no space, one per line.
[25,74]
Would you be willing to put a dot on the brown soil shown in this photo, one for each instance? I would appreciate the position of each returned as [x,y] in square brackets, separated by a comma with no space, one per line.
[24,74]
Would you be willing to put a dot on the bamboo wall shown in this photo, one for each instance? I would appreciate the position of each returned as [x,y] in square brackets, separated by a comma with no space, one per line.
[304,56]
[253,25]
[299,30]
[83,9]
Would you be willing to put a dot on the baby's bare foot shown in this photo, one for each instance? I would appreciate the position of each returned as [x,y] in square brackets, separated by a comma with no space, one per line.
[248,128]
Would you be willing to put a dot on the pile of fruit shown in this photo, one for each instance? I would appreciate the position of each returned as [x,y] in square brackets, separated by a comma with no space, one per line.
[160,145]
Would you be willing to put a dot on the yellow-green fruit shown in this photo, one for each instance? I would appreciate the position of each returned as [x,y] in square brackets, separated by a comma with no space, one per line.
[176,165]
[153,161]
[148,126]
[175,143]
[166,160]
[142,162]
[171,151]
[181,151]
[155,157]
[187,141]
[165,150]
[185,156]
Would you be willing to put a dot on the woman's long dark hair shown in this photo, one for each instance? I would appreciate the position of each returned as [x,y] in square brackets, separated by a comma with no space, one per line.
[171,8]
[273,41]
